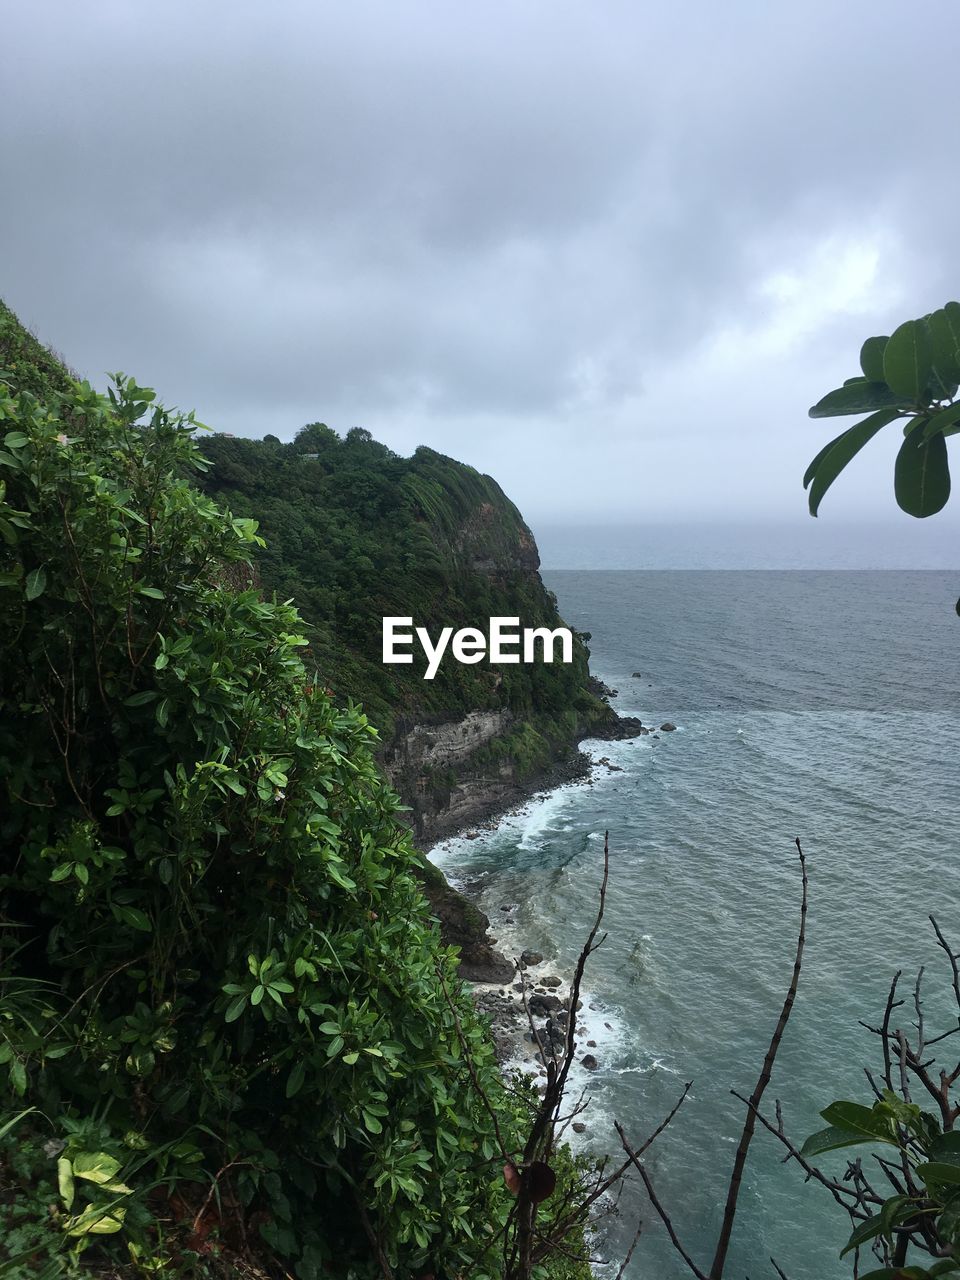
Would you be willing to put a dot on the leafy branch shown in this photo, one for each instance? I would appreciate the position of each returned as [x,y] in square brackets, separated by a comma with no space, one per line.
[913,375]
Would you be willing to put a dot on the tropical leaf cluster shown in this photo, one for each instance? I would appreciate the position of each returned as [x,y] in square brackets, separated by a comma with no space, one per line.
[911,378]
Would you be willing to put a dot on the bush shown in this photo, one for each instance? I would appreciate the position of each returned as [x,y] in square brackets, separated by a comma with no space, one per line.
[220,983]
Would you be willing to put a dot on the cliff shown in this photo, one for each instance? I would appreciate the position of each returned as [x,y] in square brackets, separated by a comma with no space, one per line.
[354,534]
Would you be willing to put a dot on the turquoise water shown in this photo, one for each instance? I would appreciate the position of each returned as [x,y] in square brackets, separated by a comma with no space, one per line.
[818,705]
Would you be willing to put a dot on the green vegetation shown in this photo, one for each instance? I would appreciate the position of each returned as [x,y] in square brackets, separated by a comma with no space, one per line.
[355,533]
[231,1042]
[912,375]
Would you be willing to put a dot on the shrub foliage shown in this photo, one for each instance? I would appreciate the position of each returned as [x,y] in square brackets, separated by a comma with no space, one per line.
[220,1005]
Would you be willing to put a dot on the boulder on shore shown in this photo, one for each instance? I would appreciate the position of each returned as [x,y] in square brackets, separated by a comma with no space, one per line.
[540,1006]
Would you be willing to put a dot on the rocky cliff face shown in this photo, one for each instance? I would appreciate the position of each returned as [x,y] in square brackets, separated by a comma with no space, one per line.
[452,780]
[435,768]
[354,534]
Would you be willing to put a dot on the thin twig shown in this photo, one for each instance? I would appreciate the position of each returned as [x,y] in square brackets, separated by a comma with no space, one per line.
[736,1177]
[661,1211]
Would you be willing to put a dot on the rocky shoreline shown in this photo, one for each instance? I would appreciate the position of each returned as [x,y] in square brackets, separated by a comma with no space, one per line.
[498,983]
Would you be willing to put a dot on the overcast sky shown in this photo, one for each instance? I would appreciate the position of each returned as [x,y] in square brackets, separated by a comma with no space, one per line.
[608,252]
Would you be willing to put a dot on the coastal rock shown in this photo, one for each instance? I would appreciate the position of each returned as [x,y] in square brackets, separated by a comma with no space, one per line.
[579,1126]
[556,1034]
[464,925]
[552,981]
[589,1061]
[637,675]
[493,968]
[622,727]
[667,727]
[540,1006]
[530,957]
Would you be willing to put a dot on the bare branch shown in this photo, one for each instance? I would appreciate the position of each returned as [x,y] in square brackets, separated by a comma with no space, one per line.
[661,1212]
[736,1177]
[952,957]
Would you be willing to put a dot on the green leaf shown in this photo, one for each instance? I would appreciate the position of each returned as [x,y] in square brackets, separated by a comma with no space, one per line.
[899,1273]
[94,1221]
[868,1230]
[921,476]
[908,360]
[235,1008]
[95,1166]
[295,1078]
[132,916]
[141,1062]
[153,592]
[831,461]
[871,358]
[142,698]
[938,1174]
[858,397]
[36,583]
[811,471]
[371,1122]
[65,1181]
[18,1077]
[15,440]
[832,1139]
[946,1147]
[944,330]
[351,1057]
[14,1121]
[895,1210]
[859,1119]
[941,419]
[341,878]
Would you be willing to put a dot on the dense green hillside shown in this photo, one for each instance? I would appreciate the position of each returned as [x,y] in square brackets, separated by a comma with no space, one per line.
[231,1042]
[355,533]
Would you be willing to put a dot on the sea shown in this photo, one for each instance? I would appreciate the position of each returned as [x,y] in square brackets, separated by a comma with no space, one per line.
[815,688]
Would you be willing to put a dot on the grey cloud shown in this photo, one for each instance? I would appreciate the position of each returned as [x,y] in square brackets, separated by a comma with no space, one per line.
[421,216]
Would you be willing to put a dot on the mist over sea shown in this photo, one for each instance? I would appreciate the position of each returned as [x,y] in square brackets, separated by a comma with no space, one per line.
[819,703]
